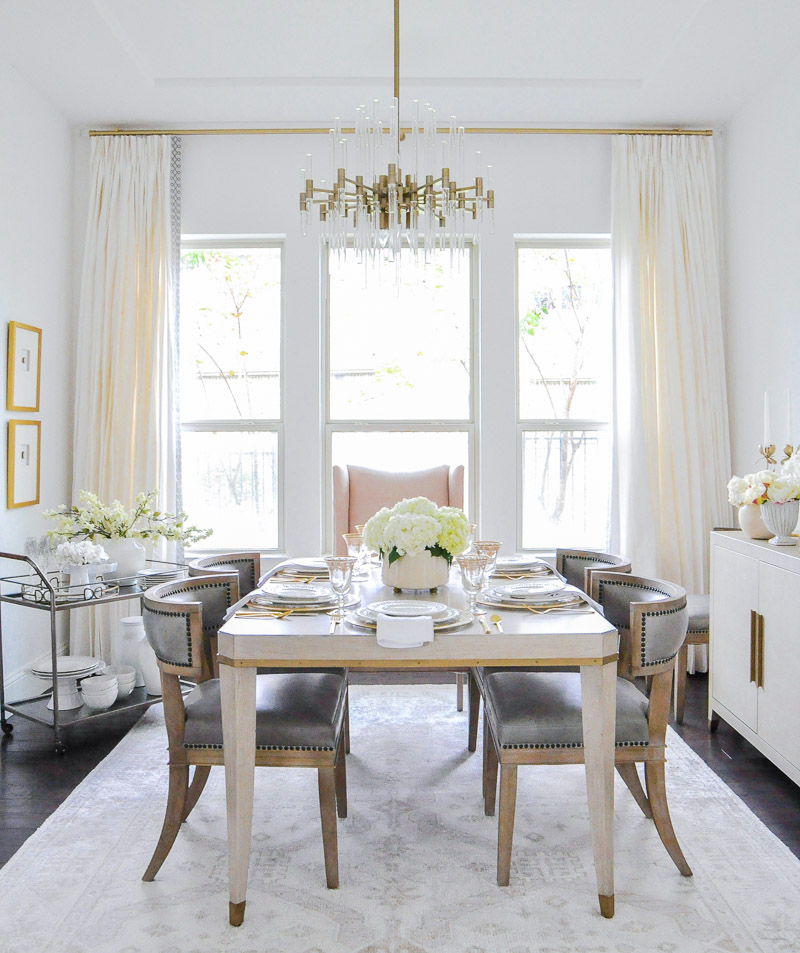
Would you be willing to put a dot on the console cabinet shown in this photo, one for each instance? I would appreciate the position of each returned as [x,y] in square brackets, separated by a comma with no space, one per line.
[755,644]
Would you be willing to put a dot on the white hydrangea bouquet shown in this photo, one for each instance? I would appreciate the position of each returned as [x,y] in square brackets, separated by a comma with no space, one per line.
[84,553]
[417,528]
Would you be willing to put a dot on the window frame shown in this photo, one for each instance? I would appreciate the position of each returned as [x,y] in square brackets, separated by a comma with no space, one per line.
[548,424]
[468,425]
[246,424]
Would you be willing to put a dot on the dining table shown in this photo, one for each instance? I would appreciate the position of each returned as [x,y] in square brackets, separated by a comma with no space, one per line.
[578,637]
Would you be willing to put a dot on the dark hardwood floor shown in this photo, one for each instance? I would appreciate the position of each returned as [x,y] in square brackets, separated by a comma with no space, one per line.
[34,780]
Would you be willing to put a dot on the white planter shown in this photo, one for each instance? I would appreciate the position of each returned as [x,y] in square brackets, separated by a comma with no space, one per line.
[751,522]
[781,519]
[129,555]
[416,572]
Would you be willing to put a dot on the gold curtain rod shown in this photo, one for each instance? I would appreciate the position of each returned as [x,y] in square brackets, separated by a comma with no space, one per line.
[470,130]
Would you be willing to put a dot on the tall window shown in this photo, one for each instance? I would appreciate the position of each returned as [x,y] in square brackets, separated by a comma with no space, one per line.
[400,362]
[230,391]
[564,392]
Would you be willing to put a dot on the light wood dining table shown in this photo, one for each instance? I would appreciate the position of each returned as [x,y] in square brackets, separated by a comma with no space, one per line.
[576,638]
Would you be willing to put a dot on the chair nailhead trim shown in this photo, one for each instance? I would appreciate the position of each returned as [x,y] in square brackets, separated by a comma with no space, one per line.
[272,747]
[633,585]
[180,590]
[644,639]
[579,744]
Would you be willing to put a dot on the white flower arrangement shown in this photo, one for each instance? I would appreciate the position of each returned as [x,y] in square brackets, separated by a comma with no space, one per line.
[78,554]
[95,518]
[412,526]
[765,486]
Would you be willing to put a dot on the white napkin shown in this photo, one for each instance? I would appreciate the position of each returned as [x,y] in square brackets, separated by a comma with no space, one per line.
[395,632]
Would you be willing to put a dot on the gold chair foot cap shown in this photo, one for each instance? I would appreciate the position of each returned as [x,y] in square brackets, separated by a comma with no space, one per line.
[236,913]
[607,906]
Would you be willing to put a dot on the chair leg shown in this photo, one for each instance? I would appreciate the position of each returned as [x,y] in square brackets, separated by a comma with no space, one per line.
[199,778]
[657,794]
[460,691]
[681,662]
[176,809]
[340,775]
[474,703]
[491,762]
[327,813]
[629,774]
[505,826]
[346,728]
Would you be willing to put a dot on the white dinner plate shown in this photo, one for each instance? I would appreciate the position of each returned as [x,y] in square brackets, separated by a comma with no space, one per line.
[533,589]
[369,614]
[494,597]
[300,592]
[72,665]
[521,562]
[410,608]
[311,564]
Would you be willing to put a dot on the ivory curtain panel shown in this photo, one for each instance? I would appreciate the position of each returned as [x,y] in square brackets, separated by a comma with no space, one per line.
[672,453]
[124,424]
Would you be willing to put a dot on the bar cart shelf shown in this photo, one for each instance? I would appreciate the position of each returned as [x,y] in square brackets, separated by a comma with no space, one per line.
[41,591]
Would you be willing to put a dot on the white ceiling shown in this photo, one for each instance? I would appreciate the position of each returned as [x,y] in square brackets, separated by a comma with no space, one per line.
[301,62]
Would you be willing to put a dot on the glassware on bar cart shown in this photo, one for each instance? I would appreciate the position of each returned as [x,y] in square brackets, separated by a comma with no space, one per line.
[472,566]
[488,548]
[340,570]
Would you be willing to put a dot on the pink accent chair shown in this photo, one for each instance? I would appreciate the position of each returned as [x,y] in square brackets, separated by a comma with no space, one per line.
[358,493]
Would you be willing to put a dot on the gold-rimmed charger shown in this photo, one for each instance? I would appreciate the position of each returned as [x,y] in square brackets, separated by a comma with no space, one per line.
[464,618]
[567,600]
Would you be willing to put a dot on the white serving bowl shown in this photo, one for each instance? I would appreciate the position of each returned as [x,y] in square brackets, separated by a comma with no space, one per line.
[126,678]
[100,700]
[98,683]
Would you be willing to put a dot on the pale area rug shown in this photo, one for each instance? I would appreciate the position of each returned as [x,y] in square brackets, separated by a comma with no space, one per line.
[416,858]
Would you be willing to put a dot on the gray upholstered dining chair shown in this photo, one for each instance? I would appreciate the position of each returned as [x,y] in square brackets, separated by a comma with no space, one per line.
[578,565]
[536,717]
[299,716]
[247,565]
[698,633]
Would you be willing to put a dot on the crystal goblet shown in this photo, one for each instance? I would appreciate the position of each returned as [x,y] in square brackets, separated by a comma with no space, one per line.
[340,570]
[472,566]
[488,548]
[355,547]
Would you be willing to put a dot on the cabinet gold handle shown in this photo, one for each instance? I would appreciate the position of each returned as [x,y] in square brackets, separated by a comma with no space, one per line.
[753,637]
[760,659]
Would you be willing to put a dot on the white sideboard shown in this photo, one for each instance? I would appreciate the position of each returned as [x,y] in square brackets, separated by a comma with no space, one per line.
[755,644]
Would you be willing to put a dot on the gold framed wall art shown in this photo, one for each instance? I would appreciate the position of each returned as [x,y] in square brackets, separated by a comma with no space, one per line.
[24,451]
[24,366]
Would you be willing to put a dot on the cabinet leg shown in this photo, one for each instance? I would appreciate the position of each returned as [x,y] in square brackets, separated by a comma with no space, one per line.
[713,722]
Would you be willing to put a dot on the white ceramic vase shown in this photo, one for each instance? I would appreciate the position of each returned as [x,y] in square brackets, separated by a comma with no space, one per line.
[150,669]
[129,555]
[416,572]
[751,522]
[125,645]
[781,519]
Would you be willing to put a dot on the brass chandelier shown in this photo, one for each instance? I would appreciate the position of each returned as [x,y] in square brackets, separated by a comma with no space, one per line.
[378,207]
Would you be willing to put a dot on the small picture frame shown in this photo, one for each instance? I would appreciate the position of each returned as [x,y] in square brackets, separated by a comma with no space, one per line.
[24,450]
[24,366]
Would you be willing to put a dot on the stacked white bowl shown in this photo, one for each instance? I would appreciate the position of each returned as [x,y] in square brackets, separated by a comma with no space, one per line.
[126,678]
[99,691]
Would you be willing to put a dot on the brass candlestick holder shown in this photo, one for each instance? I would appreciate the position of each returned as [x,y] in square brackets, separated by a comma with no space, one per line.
[768,453]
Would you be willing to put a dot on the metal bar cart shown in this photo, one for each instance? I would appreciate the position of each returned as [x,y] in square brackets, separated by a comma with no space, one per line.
[44,591]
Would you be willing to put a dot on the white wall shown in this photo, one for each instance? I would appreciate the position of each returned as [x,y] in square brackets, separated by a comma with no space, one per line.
[761,198]
[35,288]
[242,185]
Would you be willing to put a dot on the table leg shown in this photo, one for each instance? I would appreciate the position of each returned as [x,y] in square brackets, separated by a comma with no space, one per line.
[238,700]
[598,689]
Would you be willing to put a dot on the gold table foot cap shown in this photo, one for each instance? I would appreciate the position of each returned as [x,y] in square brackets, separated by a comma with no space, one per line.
[236,913]
[606,906]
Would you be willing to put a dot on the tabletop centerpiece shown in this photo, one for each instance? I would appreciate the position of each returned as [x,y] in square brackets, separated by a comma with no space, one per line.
[417,540]
[120,529]
[771,498]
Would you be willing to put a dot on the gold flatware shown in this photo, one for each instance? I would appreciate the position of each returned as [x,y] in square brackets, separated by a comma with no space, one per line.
[261,614]
[481,617]
[569,607]
[495,618]
[334,623]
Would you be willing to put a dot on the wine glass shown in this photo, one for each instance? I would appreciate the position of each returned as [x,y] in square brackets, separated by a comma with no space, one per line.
[488,548]
[340,570]
[355,547]
[472,566]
